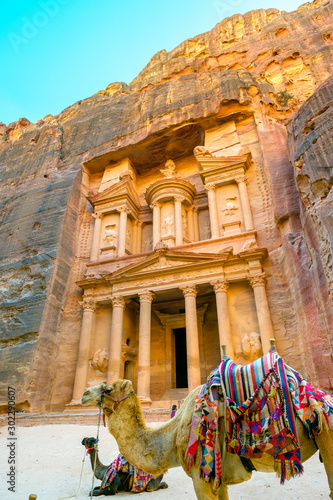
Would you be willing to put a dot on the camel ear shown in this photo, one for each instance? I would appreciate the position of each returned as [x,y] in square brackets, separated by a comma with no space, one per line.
[126,386]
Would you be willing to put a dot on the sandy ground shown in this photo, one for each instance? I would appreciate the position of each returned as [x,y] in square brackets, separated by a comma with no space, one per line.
[49,462]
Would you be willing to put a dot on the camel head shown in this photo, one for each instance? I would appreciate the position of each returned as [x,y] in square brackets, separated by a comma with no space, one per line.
[108,396]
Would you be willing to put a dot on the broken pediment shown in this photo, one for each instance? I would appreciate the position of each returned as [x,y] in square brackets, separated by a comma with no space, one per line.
[124,189]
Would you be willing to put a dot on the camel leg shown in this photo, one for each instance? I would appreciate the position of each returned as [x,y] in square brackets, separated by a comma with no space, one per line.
[156,484]
[324,442]
[203,490]
[223,492]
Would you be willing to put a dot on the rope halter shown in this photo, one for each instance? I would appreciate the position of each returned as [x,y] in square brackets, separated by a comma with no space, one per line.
[114,400]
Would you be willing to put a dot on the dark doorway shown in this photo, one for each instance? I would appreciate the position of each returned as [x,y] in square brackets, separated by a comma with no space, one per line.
[181,358]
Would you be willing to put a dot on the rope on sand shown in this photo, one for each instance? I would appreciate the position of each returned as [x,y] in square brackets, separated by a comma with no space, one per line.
[83,460]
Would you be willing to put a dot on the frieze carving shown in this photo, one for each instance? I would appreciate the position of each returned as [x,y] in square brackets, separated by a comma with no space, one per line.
[189,290]
[257,280]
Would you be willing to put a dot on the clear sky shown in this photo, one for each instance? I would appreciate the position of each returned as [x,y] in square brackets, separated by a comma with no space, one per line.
[56,52]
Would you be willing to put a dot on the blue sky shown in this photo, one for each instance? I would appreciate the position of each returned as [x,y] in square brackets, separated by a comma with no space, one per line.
[55,52]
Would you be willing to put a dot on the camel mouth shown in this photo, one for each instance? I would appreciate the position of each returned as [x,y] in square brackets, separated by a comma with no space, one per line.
[85,400]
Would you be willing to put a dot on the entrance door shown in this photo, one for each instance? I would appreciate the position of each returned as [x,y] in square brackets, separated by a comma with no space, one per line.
[181,358]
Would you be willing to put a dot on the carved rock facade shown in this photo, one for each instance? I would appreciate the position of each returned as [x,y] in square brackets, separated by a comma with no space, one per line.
[146,225]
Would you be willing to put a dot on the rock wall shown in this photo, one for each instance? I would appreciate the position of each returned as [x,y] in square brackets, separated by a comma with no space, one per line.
[261,66]
[310,143]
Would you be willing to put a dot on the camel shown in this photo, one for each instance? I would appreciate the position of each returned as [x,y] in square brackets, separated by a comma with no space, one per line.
[160,449]
[121,482]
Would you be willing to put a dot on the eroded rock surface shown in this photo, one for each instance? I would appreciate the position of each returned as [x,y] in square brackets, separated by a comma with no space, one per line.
[258,69]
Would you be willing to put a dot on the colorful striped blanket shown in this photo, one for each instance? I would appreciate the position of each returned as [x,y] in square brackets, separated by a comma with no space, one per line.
[140,477]
[260,399]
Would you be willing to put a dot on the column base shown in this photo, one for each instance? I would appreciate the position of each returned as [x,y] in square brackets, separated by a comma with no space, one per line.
[73,406]
[145,401]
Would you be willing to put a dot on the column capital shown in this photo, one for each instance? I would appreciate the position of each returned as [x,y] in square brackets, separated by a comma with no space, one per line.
[118,302]
[220,286]
[189,290]
[179,198]
[146,297]
[88,304]
[257,280]
[123,209]
[241,178]
[210,187]
[97,216]
[154,204]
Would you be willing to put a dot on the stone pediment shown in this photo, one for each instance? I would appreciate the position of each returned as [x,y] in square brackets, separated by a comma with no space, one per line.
[162,261]
[125,188]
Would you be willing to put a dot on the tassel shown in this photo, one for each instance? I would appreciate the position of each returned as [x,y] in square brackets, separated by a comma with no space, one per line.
[322,422]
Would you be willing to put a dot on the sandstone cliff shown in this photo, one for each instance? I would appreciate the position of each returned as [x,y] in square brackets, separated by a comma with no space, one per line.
[259,68]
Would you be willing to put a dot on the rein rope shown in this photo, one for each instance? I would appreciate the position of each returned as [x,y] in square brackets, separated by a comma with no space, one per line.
[96,451]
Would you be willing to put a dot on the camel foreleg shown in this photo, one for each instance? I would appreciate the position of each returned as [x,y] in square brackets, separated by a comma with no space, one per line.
[324,442]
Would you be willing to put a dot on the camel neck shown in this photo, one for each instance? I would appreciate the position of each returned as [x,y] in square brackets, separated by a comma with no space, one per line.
[149,449]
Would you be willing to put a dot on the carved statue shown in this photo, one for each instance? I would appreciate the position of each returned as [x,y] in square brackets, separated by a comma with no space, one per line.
[230,207]
[251,346]
[100,360]
[169,171]
[147,245]
[167,226]
[110,236]
[249,244]
[202,151]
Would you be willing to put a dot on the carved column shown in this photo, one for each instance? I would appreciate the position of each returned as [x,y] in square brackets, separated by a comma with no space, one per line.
[156,207]
[116,339]
[245,202]
[178,220]
[94,253]
[139,238]
[143,392]
[190,224]
[192,338]
[264,317]
[122,231]
[196,224]
[134,237]
[223,320]
[213,216]
[82,364]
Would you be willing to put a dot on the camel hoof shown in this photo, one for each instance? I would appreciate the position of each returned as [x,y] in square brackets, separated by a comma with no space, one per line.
[163,486]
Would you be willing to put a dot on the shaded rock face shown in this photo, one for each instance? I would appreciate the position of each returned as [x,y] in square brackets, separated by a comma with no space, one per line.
[311,147]
[255,70]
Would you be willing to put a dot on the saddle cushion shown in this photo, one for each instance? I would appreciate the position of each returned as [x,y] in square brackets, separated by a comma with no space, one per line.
[140,477]
[259,415]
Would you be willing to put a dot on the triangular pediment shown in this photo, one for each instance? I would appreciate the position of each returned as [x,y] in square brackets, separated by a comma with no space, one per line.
[122,189]
[162,261]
